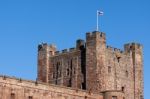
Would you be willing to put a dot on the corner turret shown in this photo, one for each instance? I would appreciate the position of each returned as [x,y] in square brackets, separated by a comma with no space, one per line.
[136,50]
[44,64]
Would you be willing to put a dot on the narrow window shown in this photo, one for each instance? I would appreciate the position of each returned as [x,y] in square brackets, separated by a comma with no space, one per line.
[57,72]
[109,69]
[141,97]
[74,70]
[12,96]
[83,86]
[114,97]
[53,71]
[85,97]
[50,52]
[118,58]
[69,83]
[30,97]
[122,88]
[67,71]
[71,65]
[127,73]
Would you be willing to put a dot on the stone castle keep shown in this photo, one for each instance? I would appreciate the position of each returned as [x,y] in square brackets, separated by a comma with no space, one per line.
[91,70]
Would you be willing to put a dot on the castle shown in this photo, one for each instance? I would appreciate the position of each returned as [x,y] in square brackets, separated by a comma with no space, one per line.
[91,70]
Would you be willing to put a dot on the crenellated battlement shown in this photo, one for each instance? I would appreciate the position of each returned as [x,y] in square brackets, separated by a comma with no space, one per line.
[95,33]
[80,44]
[65,51]
[110,48]
[93,66]
[102,34]
[46,46]
[115,50]
[132,46]
[72,49]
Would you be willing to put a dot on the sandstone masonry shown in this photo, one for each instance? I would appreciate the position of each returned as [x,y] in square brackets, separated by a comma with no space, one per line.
[91,70]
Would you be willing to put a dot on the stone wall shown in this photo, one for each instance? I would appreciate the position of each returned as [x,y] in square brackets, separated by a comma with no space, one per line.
[95,61]
[93,66]
[13,88]
[119,72]
[67,69]
[45,51]
[110,68]
[111,94]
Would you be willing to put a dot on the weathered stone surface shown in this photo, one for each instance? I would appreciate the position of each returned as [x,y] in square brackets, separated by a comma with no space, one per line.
[96,67]
[92,66]
[12,88]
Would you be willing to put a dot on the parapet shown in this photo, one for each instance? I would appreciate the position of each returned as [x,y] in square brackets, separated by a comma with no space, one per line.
[95,33]
[50,47]
[137,45]
[80,43]
[102,34]
[41,88]
[110,48]
[65,51]
[132,46]
[72,49]
[42,45]
[115,50]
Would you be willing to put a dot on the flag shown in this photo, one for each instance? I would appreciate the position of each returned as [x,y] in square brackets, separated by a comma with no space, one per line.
[100,13]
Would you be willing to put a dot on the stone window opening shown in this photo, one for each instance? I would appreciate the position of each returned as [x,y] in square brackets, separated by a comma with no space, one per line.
[71,67]
[118,58]
[67,71]
[141,97]
[122,89]
[69,83]
[85,97]
[74,70]
[109,69]
[58,70]
[53,75]
[30,97]
[57,67]
[114,97]
[12,96]
[127,74]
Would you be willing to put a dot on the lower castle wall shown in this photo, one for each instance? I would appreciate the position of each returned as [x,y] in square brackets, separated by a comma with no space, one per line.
[12,88]
[114,95]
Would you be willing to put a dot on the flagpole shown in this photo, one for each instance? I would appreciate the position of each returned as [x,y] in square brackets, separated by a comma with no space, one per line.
[97,21]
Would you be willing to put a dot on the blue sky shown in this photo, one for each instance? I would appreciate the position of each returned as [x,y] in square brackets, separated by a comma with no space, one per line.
[26,23]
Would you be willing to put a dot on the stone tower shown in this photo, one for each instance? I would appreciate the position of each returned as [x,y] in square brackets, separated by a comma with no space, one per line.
[95,61]
[44,63]
[94,66]
[136,50]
